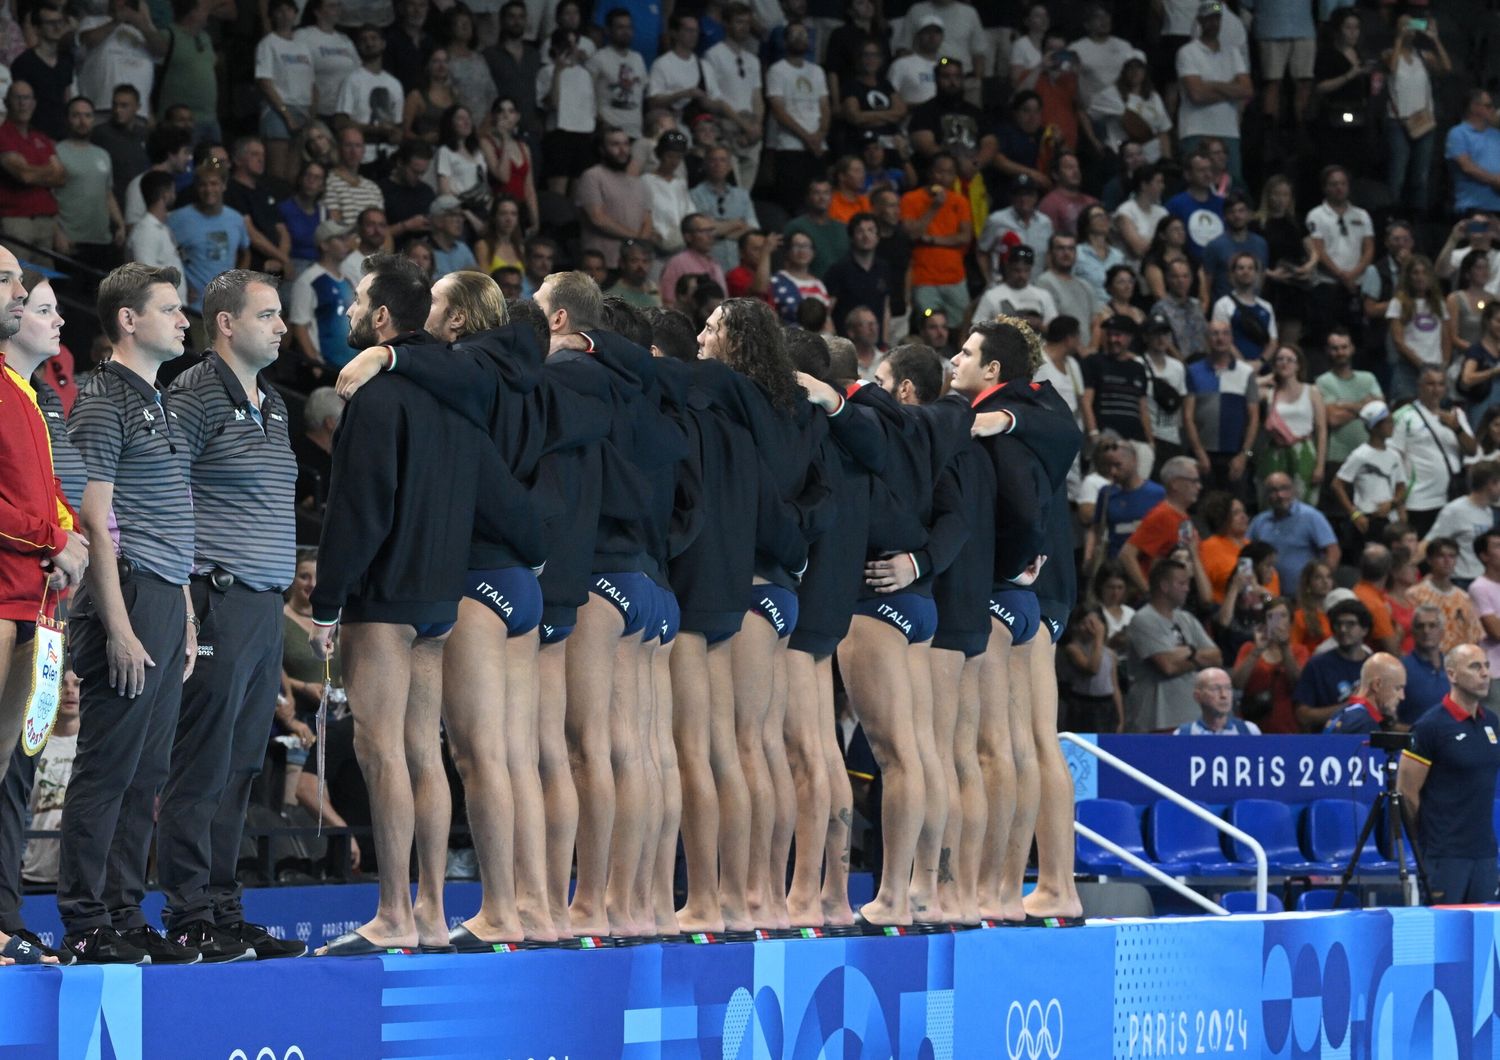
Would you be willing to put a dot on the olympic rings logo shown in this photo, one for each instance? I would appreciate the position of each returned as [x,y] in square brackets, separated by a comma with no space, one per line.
[1034,1032]
[267,1053]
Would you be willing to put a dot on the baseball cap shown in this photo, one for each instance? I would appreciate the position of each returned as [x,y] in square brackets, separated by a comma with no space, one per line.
[671,140]
[1021,252]
[1121,323]
[1210,9]
[1372,412]
[1024,182]
[1338,596]
[331,230]
[1157,323]
[444,204]
[929,22]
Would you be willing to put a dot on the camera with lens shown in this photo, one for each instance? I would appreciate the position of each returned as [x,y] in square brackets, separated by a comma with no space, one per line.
[1390,742]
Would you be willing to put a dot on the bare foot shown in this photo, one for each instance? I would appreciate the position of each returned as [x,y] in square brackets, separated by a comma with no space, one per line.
[692,920]
[877,913]
[491,931]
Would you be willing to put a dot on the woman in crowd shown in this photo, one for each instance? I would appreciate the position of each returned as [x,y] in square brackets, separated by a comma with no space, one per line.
[1089,675]
[1404,576]
[422,117]
[1251,587]
[334,57]
[507,159]
[1026,47]
[1488,434]
[288,88]
[1410,121]
[501,243]
[1229,526]
[460,165]
[794,281]
[1481,364]
[1168,244]
[468,73]
[1111,589]
[1293,264]
[1096,254]
[1132,111]
[1296,424]
[1468,298]
[1341,75]
[1421,330]
[314,143]
[1137,218]
[1120,298]
[302,212]
[1266,669]
[1310,622]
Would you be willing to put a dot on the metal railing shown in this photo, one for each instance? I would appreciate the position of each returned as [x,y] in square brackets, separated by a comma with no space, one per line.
[1261,865]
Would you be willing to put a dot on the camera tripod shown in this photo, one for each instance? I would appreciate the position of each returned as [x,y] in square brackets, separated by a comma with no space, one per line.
[1397,824]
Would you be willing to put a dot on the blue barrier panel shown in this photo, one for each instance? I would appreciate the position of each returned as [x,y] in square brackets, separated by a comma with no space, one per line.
[1220,769]
[1354,985]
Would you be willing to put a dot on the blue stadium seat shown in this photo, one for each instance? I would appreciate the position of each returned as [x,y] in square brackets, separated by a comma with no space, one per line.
[1176,835]
[1119,822]
[1272,824]
[1244,902]
[1309,901]
[1332,827]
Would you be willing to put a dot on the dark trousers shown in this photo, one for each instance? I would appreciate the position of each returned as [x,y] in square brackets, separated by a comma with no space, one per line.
[123,749]
[15,791]
[227,708]
[1454,881]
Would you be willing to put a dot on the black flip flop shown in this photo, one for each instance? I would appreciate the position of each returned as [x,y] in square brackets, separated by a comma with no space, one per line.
[353,944]
[990,922]
[841,931]
[586,942]
[737,936]
[21,951]
[925,928]
[462,940]
[1053,921]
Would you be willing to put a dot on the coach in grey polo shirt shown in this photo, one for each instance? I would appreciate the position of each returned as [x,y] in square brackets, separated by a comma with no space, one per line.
[131,631]
[234,430]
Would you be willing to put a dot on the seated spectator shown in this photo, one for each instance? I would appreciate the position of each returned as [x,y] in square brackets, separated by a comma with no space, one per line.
[1182,309]
[29,170]
[1296,435]
[151,241]
[501,243]
[1088,675]
[301,213]
[1441,590]
[1330,676]
[795,281]
[860,279]
[1015,294]
[698,239]
[1165,526]
[1267,668]
[1121,506]
[346,191]
[319,302]
[934,331]
[940,224]
[727,205]
[667,192]
[1198,206]
[1432,441]
[1426,680]
[1221,413]
[1067,200]
[302,673]
[1132,112]
[1214,693]
[408,195]
[1464,518]
[1371,484]
[830,236]
[1168,647]
[1214,79]
[210,236]
[1219,553]
[449,251]
[419,249]
[863,330]
[54,768]
[461,169]
[1372,707]
[565,95]
[1472,148]
[1071,295]
[1021,217]
[591,264]
[314,450]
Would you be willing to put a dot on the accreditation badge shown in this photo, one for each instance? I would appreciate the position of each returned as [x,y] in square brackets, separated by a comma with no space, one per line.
[1491,734]
[46,684]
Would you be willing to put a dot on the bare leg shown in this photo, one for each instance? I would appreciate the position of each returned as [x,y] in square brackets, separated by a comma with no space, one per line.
[700,801]
[627,761]
[997,766]
[643,912]
[377,673]
[671,794]
[432,801]
[591,664]
[784,815]
[734,793]
[925,905]
[947,679]
[754,647]
[475,705]
[558,792]
[840,824]
[1028,783]
[872,659]
[523,753]
[1056,892]
[975,810]
[805,756]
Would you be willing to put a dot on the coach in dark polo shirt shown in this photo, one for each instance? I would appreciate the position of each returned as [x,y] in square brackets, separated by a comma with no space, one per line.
[1447,778]
[132,632]
[234,430]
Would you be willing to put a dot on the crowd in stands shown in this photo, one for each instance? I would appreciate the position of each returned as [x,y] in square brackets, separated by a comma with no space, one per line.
[1260,241]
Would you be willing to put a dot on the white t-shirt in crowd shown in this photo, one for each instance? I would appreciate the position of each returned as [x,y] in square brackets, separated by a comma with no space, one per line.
[1109,106]
[334,59]
[575,99]
[1222,118]
[369,98]
[914,79]
[151,243]
[737,73]
[1343,243]
[1179,18]
[672,73]
[963,35]
[800,89]
[465,172]
[1374,474]
[619,88]
[1145,221]
[289,64]
[1025,54]
[1423,332]
[1463,521]
[1067,381]
[122,58]
[1166,426]
[1003,298]
[1100,62]
[1429,448]
[1456,260]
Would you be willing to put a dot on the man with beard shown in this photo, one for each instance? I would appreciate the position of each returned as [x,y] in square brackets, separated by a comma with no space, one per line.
[370,99]
[406,482]
[947,121]
[615,205]
[235,434]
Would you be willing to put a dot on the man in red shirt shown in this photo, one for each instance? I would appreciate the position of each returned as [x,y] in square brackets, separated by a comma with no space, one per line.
[1167,525]
[29,169]
[751,278]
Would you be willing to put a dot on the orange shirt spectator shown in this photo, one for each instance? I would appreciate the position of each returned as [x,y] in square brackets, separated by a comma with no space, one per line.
[843,207]
[1159,533]
[1219,553]
[1380,612]
[1310,637]
[1272,679]
[936,266]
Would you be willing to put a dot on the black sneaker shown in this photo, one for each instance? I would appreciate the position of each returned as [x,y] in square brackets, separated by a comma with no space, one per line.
[104,945]
[266,945]
[216,945]
[161,950]
[64,957]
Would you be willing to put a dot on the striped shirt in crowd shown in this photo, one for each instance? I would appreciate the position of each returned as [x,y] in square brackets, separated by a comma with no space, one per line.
[244,476]
[67,462]
[128,438]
